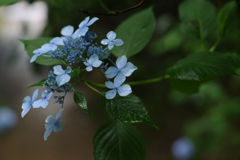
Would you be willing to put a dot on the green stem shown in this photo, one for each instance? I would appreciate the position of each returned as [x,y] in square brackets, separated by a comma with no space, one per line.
[93,88]
[96,84]
[216,44]
[149,80]
[105,7]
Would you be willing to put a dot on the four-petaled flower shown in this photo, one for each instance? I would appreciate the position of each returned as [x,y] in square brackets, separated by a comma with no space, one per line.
[111,41]
[93,61]
[28,102]
[52,46]
[44,101]
[62,75]
[123,90]
[83,27]
[53,124]
[123,69]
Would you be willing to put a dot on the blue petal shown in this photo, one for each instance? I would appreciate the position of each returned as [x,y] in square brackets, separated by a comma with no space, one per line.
[26,104]
[48,47]
[57,41]
[111,72]
[121,62]
[105,41]
[49,96]
[86,64]
[118,42]
[128,69]
[84,22]
[58,126]
[59,114]
[34,57]
[49,121]
[62,79]
[37,103]
[94,19]
[44,103]
[80,32]
[25,110]
[69,69]
[67,30]
[110,85]
[58,70]
[119,79]
[111,94]
[110,45]
[89,68]
[47,133]
[35,94]
[26,99]
[111,35]
[124,90]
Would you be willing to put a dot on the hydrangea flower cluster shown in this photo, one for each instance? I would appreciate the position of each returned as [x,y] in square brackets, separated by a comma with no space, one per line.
[78,47]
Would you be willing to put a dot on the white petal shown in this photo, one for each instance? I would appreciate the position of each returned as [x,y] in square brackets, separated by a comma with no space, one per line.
[47,133]
[121,62]
[111,94]
[59,114]
[111,72]
[105,41]
[124,90]
[128,69]
[111,35]
[62,79]
[58,70]
[118,42]
[58,126]
[119,79]
[110,85]
[94,19]
[67,30]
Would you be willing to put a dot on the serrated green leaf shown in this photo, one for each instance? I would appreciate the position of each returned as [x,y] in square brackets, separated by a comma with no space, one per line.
[198,18]
[81,101]
[8,2]
[129,109]
[199,65]
[40,83]
[118,141]
[135,32]
[226,15]
[234,59]
[31,45]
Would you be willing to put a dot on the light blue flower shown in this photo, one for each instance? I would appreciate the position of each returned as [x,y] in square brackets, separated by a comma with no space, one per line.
[28,103]
[111,41]
[52,46]
[83,27]
[53,124]
[93,61]
[62,75]
[116,87]
[67,31]
[122,70]
[44,101]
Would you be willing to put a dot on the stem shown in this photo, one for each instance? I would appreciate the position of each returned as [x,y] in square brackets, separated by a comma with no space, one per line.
[149,80]
[96,84]
[105,7]
[93,88]
[216,44]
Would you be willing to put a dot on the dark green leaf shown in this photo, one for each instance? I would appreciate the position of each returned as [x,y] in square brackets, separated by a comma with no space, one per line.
[198,18]
[81,101]
[135,32]
[40,83]
[226,15]
[128,109]
[199,65]
[234,59]
[118,141]
[8,2]
[31,45]
[75,72]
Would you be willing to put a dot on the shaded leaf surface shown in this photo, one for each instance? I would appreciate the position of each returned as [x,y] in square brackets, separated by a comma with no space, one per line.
[81,101]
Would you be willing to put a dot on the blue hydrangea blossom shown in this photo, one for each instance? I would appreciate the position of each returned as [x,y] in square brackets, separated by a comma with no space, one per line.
[62,75]
[83,27]
[111,41]
[53,124]
[44,101]
[93,61]
[122,70]
[67,31]
[116,87]
[28,103]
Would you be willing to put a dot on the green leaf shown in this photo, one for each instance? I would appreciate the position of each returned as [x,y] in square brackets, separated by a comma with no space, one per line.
[135,32]
[199,65]
[198,18]
[226,15]
[81,101]
[40,83]
[118,141]
[8,2]
[129,109]
[75,72]
[31,45]
[234,59]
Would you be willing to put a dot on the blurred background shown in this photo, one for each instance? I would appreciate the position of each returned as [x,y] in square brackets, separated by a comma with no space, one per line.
[203,125]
